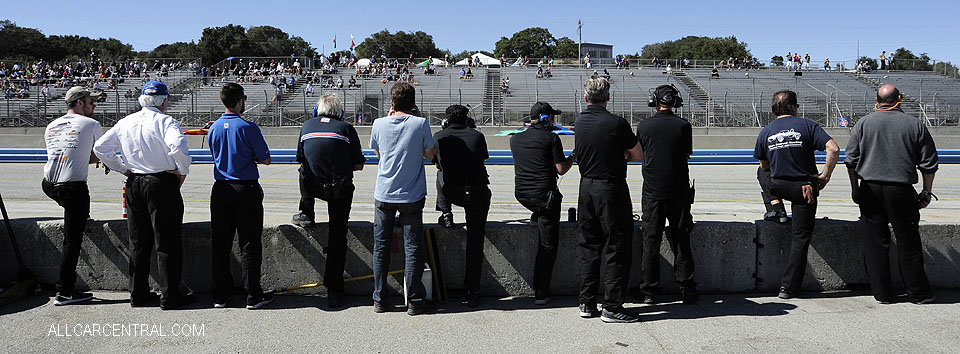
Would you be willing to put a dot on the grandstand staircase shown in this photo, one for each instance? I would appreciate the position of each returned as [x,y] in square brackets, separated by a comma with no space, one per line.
[699,95]
[492,97]
[910,106]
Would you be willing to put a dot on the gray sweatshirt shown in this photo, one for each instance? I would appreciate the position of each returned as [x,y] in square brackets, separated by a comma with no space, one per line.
[890,146]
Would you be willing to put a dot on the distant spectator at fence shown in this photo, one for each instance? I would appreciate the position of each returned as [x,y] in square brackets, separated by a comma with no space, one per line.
[806,61]
[586,61]
[463,73]
[826,64]
[714,72]
[883,60]
[309,89]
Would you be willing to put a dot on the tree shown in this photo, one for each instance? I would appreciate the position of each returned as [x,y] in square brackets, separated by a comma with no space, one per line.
[776,60]
[694,47]
[398,45]
[534,42]
[174,50]
[566,48]
[904,59]
[217,43]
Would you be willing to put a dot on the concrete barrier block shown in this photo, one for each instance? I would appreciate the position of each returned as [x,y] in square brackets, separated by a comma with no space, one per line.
[834,260]
[941,255]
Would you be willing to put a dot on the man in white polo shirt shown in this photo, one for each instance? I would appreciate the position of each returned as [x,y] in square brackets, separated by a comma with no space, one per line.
[69,154]
[155,159]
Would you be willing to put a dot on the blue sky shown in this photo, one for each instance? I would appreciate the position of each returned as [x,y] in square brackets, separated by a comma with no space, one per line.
[822,28]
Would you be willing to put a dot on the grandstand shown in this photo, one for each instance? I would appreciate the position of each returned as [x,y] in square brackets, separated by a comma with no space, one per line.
[736,98]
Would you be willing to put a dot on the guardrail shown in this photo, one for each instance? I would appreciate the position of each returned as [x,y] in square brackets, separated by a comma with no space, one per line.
[497,157]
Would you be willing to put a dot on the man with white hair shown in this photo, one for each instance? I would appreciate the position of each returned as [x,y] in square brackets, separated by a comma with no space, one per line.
[329,151]
[155,159]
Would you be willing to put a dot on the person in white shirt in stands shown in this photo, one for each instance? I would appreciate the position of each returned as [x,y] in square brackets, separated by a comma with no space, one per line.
[69,154]
[155,159]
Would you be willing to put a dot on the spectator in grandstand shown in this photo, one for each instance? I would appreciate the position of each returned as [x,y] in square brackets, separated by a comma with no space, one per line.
[45,92]
[476,61]
[606,74]
[69,142]
[353,82]
[883,60]
[329,152]
[885,150]
[891,62]
[786,147]
[463,181]
[604,144]
[826,64]
[789,60]
[656,62]
[155,160]
[806,61]
[538,160]
[236,201]
[669,70]
[340,82]
[463,73]
[666,142]
[469,74]
[714,72]
[399,140]
[539,72]
[547,73]
[586,61]
[309,89]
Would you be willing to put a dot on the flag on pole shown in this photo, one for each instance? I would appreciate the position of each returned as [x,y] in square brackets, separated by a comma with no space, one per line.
[351,42]
[334,41]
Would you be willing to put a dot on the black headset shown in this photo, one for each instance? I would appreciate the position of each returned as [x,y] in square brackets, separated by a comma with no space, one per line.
[667,95]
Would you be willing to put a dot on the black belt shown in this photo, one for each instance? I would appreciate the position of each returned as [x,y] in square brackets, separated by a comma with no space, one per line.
[155,174]
[68,183]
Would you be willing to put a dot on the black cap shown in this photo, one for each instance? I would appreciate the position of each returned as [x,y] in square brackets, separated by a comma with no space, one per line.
[542,108]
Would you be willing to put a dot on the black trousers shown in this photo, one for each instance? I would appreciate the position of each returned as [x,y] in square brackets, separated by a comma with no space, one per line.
[476,209]
[605,226]
[443,205]
[548,233]
[236,208]
[74,197]
[804,219]
[896,204]
[155,219]
[655,215]
[338,210]
[763,176]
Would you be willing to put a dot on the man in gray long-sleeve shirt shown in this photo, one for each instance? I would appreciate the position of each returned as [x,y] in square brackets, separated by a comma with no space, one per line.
[885,151]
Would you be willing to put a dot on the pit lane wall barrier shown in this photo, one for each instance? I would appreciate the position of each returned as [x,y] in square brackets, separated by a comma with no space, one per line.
[729,256]
[497,157]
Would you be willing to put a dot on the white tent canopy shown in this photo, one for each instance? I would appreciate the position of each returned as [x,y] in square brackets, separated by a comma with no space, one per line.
[484,59]
[363,62]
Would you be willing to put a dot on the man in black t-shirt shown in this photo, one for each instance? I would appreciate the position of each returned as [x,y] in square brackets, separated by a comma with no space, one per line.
[604,144]
[537,160]
[785,147]
[667,143]
[329,151]
[461,152]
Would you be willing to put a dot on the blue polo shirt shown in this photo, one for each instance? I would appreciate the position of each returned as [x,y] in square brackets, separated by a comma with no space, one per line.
[236,145]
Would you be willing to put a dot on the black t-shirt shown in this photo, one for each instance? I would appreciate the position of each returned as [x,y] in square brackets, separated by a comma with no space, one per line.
[536,151]
[667,142]
[600,142]
[328,149]
[788,143]
[462,151]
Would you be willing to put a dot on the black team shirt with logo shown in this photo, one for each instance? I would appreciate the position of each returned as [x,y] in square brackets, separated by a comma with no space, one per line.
[788,143]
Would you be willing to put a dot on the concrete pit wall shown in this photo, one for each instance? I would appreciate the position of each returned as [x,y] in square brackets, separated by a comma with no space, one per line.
[729,256]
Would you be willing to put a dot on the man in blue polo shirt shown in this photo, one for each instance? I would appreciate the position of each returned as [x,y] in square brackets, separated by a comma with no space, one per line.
[236,202]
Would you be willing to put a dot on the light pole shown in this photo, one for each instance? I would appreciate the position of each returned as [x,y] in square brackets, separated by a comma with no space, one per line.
[579,41]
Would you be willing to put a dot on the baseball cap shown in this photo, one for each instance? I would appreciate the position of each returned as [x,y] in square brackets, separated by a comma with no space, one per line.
[154,88]
[77,93]
[542,108]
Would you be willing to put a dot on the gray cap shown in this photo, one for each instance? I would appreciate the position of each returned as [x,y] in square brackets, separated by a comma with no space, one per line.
[78,93]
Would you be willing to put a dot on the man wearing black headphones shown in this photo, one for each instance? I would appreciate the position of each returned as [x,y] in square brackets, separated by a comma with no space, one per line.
[537,160]
[329,151]
[667,142]
[461,152]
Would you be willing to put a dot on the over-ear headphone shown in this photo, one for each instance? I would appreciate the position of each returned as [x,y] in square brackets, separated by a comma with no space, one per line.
[667,95]
[544,118]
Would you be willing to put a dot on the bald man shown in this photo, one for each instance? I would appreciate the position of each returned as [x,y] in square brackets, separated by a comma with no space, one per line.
[886,149]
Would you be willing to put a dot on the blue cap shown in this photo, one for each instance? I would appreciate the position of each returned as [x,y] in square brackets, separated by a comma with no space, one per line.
[154,88]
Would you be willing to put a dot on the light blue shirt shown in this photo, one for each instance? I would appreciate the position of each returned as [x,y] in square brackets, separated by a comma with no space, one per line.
[400,174]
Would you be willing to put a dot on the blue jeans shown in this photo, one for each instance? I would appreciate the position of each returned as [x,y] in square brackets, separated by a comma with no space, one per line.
[411,217]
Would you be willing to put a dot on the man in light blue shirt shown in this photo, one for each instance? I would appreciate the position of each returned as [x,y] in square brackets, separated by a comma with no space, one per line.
[401,140]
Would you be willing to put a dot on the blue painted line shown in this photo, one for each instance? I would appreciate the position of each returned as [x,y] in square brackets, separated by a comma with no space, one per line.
[497,157]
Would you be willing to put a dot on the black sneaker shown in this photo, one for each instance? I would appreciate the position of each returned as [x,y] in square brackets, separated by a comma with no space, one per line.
[778,216]
[220,303]
[148,299]
[619,315]
[471,299]
[419,307]
[541,297]
[71,298]
[381,307]
[302,220]
[176,302]
[926,300]
[265,300]
[785,294]
[589,311]
[334,299]
[446,219]
[689,296]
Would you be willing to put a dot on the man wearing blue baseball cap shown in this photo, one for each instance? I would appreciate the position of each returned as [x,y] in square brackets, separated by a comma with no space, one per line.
[155,159]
